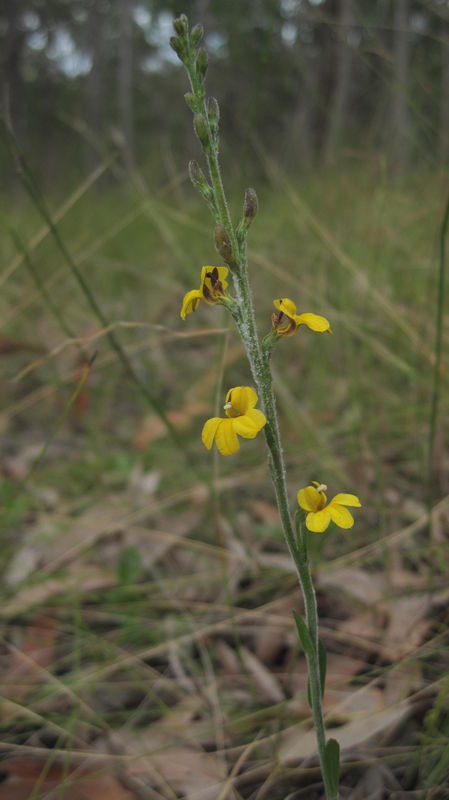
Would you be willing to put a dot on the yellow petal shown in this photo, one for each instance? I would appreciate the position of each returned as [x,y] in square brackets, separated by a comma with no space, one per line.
[314,322]
[249,424]
[226,438]
[318,521]
[340,515]
[209,431]
[242,398]
[309,499]
[347,500]
[190,302]
[257,416]
[287,307]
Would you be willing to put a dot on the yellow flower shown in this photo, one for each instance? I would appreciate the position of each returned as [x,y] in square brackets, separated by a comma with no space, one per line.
[313,500]
[213,287]
[242,419]
[287,321]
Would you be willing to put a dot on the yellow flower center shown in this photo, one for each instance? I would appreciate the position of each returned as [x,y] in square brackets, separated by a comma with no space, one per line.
[231,411]
[212,287]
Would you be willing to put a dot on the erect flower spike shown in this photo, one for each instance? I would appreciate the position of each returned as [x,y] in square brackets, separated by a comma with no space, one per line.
[243,418]
[287,321]
[320,513]
[212,290]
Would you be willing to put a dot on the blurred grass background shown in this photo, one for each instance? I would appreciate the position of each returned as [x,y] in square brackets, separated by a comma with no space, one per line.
[148,641]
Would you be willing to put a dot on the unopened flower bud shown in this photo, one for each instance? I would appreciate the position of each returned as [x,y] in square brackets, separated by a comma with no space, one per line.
[202,61]
[190,100]
[181,25]
[251,205]
[197,175]
[177,46]
[250,208]
[213,113]
[202,131]
[196,35]
[200,182]
[223,243]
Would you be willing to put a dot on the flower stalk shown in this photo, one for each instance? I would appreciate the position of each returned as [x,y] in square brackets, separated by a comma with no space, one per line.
[241,416]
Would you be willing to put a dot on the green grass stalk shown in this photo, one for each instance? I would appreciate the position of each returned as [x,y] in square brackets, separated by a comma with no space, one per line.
[438,355]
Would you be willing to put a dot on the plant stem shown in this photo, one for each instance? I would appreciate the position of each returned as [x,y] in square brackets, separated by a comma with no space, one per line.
[260,368]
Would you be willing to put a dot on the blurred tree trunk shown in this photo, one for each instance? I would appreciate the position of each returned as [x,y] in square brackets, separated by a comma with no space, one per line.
[342,88]
[10,61]
[401,83]
[444,102]
[95,89]
[301,134]
[125,81]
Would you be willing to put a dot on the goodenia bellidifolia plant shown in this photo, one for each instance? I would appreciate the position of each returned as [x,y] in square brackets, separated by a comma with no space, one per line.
[242,418]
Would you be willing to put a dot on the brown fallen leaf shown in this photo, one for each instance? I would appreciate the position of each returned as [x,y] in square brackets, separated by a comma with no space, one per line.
[21,670]
[268,687]
[365,587]
[21,775]
[295,744]
[153,427]
[408,623]
[168,754]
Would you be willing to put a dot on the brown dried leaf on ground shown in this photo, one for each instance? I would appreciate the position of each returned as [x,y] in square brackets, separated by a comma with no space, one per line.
[295,744]
[269,689]
[21,669]
[21,775]
[153,427]
[408,623]
[365,587]
[168,755]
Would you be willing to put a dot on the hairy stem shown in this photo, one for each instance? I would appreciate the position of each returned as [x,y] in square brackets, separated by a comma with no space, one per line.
[258,358]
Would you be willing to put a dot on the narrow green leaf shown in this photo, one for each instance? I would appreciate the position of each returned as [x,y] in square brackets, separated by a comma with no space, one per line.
[129,566]
[322,660]
[304,635]
[332,765]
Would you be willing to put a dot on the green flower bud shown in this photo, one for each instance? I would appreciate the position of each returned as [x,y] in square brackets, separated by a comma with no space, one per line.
[202,131]
[213,113]
[190,100]
[202,61]
[181,25]
[223,244]
[200,182]
[197,176]
[177,46]
[196,35]
[251,205]
[250,208]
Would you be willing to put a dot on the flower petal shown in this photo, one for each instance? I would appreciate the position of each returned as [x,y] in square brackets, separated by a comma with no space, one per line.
[190,302]
[287,307]
[340,515]
[309,499]
[226,438]
[209,431]
[347,500]
[318,521]
[249,424]
[314,322]
[242,398]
